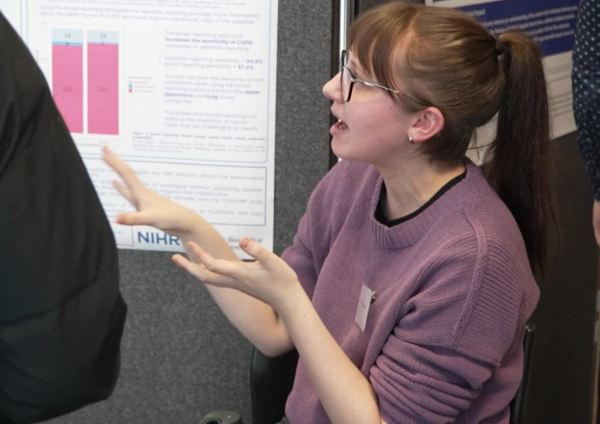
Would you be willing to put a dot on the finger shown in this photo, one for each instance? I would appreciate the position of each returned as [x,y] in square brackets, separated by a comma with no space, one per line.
[121,168]
[200,272]
[217,266]
[135,218]
[198,253]
[256,251]
[123,190]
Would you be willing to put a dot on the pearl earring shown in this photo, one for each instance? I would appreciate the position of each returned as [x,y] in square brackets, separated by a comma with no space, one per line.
[410,138]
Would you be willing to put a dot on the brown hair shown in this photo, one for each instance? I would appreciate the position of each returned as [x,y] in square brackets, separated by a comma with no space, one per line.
[454,64]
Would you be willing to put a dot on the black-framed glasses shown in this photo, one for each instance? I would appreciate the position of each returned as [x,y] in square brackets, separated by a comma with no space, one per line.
[349,79]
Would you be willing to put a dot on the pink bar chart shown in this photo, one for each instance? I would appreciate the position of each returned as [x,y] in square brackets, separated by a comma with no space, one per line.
[103,82]
[67,76]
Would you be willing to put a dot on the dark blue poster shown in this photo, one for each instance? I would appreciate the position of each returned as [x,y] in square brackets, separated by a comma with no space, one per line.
[550,22]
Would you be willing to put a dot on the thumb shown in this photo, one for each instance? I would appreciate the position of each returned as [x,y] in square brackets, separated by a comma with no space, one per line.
[255,250]
[136,218]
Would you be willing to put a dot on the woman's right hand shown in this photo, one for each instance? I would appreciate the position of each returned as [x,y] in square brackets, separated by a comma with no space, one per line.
[152,209]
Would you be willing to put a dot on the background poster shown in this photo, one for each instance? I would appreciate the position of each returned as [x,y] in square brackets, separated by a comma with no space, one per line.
[184,91]
[552,24]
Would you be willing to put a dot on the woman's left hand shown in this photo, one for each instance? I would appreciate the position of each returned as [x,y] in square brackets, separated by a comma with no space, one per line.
[269,279]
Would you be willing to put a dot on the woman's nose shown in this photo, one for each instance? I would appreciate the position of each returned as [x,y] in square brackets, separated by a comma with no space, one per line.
[332,90]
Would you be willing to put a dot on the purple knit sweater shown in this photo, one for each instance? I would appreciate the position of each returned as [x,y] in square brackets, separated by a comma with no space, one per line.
[454,289]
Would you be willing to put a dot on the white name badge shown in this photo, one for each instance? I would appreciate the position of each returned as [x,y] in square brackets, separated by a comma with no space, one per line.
[367,296]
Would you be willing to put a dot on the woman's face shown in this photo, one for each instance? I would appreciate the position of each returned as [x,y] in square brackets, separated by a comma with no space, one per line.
[374,129]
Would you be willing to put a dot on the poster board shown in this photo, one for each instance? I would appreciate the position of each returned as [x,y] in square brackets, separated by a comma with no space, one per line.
[183,91]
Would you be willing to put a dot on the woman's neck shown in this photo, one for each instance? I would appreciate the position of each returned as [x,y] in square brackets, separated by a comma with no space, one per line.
[413,183]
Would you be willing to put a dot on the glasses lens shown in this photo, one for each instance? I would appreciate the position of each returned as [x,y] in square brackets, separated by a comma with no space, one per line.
[346,81]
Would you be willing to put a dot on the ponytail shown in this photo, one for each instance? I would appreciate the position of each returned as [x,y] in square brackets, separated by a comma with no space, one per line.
[519,169]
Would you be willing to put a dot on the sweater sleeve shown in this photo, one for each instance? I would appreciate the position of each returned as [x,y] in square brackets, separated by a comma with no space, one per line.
[307,252]
[300,258]
[586,90]
[319,225]
[452,334]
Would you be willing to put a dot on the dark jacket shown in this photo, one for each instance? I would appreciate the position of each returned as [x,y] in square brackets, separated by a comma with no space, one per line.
[586,88]
[61,311]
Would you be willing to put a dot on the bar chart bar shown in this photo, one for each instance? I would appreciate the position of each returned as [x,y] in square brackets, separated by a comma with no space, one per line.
[67,76]
[103,82]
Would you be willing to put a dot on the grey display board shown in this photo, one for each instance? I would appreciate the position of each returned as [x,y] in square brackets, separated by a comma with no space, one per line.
[181,358]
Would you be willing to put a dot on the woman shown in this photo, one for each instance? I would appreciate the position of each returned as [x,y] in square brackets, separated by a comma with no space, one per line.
[410,281]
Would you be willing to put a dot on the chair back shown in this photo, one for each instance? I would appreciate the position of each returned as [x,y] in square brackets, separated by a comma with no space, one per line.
[271,381]
[517,406]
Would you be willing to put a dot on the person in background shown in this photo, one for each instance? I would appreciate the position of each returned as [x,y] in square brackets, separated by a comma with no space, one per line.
[586,96]
[411,278]
[61,310]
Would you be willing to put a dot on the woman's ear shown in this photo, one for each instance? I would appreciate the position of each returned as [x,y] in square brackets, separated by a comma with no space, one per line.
[428,123]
